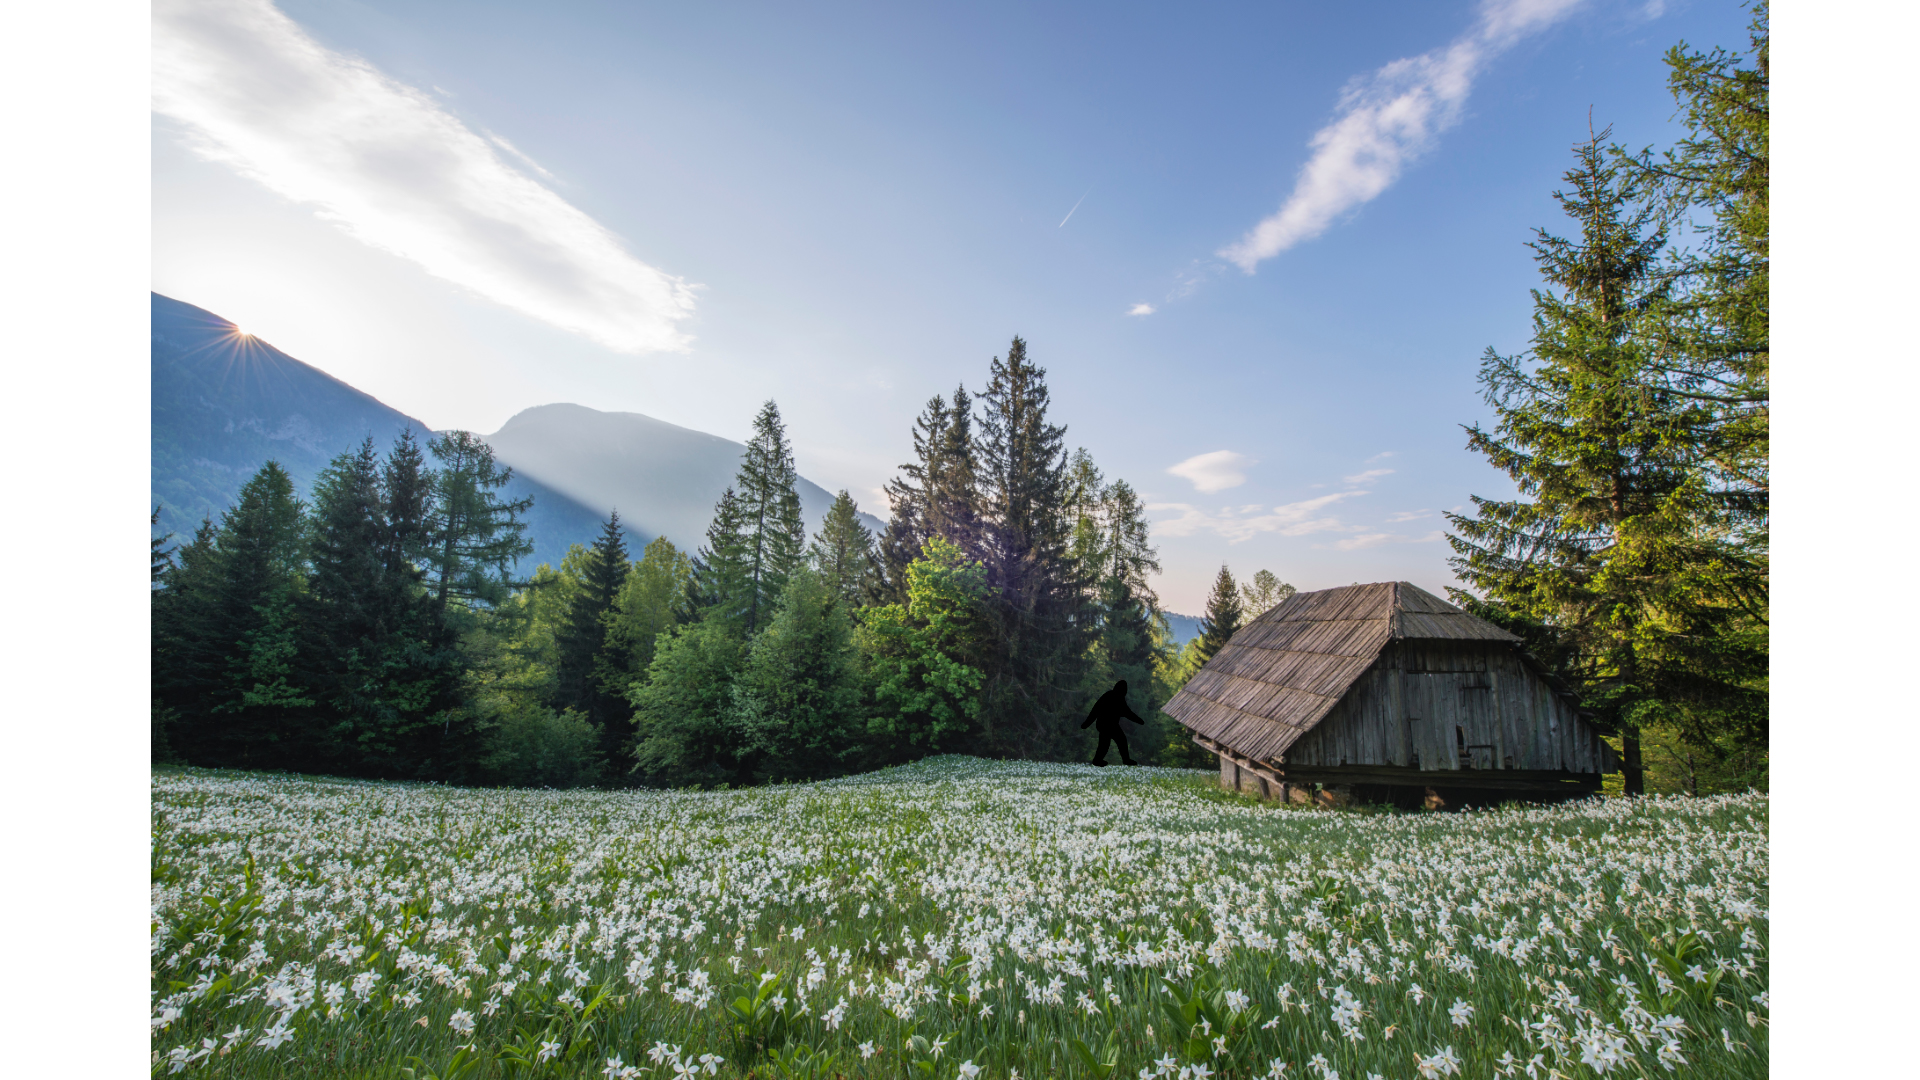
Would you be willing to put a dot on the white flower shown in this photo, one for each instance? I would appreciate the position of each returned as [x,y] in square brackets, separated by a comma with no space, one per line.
[548,1050]
[1670,1054]
[1237,1001]
[969,1070]
[461,1022]
[1443,1063]
[866,1048]
[1461,1012]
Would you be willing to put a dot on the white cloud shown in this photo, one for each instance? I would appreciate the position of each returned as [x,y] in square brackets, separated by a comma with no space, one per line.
[1367,540]
[1216,471]
[1381,456]
[391,167]
[1386,120]
[1368,476]
[1140,309]
[1293,519]
[1407,515]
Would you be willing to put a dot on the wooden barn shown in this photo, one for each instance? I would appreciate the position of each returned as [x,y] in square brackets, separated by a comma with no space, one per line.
[1385,692]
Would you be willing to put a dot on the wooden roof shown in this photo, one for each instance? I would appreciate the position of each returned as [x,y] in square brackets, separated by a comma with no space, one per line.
[1283,672]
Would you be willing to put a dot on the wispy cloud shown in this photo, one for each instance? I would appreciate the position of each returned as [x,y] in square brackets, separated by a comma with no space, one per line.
[386,163]
[1399,516]
[1367,477]
[1386,120]
[1382,456]
[1216,471]
[1244,523]
[1140,309]
[1367,540]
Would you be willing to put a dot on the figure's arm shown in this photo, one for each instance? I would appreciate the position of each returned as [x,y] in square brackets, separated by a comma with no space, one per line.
[1129,715]
[1089,720]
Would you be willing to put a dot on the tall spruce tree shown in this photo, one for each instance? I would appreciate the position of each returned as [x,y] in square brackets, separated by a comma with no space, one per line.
[475,538]
[937,494]
[372,651]
[842,553]
[772,534]
[1223,617]
[722,585]
[584,666]
[1619,544]
[1039,598]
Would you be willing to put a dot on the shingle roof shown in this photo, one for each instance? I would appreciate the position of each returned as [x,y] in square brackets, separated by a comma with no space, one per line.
[1283,672]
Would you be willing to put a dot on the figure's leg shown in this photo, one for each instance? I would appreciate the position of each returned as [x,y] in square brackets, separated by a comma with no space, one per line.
[1120,737]
[1100,755]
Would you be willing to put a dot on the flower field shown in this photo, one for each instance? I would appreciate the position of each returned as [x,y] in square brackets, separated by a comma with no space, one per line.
[954,918]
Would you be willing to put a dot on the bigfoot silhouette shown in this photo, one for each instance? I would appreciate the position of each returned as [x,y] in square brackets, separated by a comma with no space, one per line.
[1107,713]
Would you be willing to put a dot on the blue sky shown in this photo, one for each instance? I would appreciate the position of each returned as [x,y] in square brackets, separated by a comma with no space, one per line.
[683,210]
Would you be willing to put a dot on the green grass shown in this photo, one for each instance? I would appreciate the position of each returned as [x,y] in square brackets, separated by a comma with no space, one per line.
[957,914]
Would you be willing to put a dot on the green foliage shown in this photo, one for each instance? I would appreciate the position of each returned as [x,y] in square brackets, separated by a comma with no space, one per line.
[1259,596]
[797,702]
[772,537]
[588,675]
[926,655]
[844,555]
[652,598]
[683,712]
[534,746]
[937,494]
[474,538]
[1624,547]
[1223,617]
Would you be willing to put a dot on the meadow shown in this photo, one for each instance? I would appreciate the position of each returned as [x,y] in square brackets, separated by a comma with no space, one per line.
[956,918]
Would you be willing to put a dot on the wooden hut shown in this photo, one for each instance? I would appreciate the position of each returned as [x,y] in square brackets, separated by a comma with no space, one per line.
[1392,694]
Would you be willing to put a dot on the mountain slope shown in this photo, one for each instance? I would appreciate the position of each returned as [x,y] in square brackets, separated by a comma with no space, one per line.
[224,403]
[669,475]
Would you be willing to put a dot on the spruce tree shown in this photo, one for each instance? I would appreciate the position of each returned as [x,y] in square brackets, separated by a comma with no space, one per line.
[584,668]
[842,553]
[1620,543]
[937,494]
[1223,617]
[772,536]
[1039,597]
[797,700]
[722,584]
[161,555]
[475,537]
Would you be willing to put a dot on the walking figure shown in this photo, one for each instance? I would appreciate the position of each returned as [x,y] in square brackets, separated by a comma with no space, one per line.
[1107,713]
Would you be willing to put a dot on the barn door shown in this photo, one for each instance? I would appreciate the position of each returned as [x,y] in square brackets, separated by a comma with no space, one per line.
[1476,731]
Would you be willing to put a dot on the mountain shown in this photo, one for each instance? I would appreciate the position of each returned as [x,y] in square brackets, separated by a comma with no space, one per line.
[224,403]
[1183,628]
[668,476]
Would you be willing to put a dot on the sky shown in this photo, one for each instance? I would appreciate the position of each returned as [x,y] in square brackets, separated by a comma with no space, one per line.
[1260,249]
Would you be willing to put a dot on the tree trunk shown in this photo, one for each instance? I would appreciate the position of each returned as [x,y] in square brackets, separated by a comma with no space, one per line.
[1630,766]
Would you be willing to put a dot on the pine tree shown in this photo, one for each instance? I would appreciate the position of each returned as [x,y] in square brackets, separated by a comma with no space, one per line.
[371,648]
[842,553]
[1223,618]
[1262,593]
[772,536]
[475,537]
[584,666]
[1713,328]
[1621,542]
[161,554]
[1039,597]
[722,586]
[935,495]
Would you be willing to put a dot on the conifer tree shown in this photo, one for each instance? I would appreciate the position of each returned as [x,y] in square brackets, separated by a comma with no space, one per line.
[475,537]
[773,536]
[1620,543]
[1039,596]
[1262,593]
[1223,617]
[161,554]
[937,494]
[584,669]
[842,553]
[797,700]
[722,584]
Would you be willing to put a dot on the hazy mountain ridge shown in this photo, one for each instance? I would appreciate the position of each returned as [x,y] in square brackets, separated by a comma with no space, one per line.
[225,403]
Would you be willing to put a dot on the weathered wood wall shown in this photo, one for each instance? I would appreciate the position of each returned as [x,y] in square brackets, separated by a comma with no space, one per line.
[1438,705]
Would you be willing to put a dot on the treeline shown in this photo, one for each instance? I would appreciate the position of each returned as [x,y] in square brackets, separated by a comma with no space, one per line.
[1636,430]
[379,632]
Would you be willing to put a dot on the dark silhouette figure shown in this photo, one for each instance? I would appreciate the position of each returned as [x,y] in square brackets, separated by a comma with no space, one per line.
[1107,713]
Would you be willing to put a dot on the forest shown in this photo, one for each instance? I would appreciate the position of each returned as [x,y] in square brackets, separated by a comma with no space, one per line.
[380,631]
